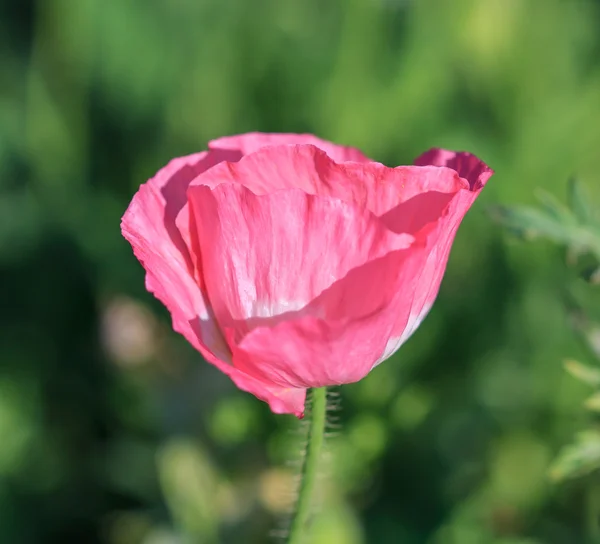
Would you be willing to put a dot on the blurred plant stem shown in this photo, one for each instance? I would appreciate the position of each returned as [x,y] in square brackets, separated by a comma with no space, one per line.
[308,476]
[593,512]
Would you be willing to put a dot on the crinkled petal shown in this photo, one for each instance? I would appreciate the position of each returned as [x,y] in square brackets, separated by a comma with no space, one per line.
[149,224]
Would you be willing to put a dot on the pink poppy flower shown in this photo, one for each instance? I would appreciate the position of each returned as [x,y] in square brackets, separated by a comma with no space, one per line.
[290,262]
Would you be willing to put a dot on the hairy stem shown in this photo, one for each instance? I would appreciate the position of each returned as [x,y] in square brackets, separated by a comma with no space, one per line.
[308,476]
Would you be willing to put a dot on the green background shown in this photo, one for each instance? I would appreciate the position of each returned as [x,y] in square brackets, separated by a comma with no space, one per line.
[113,430]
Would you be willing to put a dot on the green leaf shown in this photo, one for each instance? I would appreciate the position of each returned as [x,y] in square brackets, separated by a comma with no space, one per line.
[579,201]
[530,223]
[556,209]
[579,458]
[584,373]
[572,226]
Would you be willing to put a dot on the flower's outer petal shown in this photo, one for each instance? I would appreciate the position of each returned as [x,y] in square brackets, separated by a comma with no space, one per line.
[169,186]
[149,224]
[344,344]
[269,256]
[253,141]
[439,239]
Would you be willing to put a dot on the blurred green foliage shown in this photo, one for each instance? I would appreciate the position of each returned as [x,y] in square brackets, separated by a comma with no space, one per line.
[577,228]
[111,428]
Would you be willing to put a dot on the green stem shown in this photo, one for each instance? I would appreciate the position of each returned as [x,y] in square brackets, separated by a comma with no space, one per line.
[308,477]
